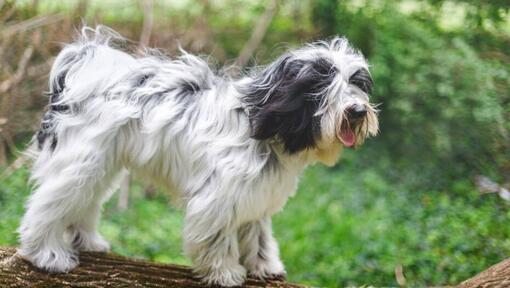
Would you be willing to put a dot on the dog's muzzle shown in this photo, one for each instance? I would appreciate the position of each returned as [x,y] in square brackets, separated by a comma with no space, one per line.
[354,117]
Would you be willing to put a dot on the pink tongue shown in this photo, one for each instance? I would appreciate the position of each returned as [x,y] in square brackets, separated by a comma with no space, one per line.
[347,137]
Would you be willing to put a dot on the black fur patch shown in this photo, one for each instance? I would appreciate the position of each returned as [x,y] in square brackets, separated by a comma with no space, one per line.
[284,98]
[362,80]
[46,130]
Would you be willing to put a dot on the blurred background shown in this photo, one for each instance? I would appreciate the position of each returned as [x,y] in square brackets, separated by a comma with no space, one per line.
[424,203]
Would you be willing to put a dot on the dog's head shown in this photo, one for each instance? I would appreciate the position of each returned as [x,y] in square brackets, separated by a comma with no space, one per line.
[316,97]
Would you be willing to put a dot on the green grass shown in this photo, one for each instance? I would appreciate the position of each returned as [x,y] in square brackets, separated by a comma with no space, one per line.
[348,225]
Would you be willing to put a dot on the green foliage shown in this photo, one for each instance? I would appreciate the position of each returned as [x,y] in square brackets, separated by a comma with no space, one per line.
[444,105]
[13,192]
[355,227]
[442,94]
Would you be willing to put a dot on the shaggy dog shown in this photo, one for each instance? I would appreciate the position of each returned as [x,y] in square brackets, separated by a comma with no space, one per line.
[233,149]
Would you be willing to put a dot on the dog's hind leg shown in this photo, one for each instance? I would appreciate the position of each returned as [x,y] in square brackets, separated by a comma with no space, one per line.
[71,182]
[259,250]
[83,233]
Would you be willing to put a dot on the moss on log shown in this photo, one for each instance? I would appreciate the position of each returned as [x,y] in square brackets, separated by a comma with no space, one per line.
[105,270]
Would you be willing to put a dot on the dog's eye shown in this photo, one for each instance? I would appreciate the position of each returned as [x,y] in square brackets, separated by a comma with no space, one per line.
[362,80]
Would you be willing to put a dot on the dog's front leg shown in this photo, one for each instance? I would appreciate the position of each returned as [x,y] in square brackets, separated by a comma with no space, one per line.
[259,250]
[210,240]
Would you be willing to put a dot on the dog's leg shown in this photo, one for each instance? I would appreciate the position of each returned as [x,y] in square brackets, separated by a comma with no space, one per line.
[83,233]
[259,250]
[68,188]
[210,240]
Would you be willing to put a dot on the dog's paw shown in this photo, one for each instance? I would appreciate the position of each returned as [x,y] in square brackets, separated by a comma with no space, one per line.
[90,242]
[267,270]
[225,276]
[58,260]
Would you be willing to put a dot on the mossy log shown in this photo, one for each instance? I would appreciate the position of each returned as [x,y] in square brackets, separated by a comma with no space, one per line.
[105,270]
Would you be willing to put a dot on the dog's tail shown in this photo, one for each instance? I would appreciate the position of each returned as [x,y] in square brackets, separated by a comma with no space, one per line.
[87,64]
[81,69]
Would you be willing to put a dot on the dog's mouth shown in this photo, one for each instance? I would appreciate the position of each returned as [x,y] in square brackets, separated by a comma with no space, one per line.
[346,134]
[358,122]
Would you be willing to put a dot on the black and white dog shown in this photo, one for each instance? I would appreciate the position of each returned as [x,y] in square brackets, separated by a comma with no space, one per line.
[233,149]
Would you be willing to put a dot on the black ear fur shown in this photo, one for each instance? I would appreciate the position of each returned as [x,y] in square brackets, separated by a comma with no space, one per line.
[362,80]
[284,98]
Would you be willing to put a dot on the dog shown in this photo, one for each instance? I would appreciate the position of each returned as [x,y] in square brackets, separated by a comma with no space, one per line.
[233,149]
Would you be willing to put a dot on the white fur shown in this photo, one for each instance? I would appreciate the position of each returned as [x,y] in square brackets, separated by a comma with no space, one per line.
[197,143]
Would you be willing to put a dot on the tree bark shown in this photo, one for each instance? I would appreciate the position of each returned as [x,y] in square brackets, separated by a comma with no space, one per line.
[105,270]
[495,277]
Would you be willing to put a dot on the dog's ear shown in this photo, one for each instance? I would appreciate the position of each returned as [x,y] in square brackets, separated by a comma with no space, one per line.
[284,99]
[362,80]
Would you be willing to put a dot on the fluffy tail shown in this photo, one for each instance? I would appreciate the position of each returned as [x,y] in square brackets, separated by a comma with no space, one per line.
[85,65]
[82,68]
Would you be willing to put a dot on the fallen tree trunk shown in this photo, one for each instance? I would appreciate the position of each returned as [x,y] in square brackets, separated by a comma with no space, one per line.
[497,276]
[110,270]
[105,270]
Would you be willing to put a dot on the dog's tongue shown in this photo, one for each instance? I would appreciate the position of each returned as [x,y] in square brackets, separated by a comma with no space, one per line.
[347,137]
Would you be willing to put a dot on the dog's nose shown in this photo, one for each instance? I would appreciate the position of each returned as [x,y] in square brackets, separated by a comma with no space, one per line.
[357,111]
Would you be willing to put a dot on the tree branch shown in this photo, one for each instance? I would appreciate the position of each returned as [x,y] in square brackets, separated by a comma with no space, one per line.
[148,19]
[20,72]
[258,34]
[30,24]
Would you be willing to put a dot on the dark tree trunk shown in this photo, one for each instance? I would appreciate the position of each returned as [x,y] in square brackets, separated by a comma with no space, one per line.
[105,270]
